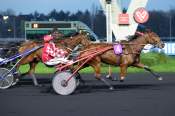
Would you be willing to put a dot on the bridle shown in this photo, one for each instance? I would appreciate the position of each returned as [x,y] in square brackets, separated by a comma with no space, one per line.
[154,45]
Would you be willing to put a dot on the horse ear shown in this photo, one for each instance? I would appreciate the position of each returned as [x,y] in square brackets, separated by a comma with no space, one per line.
[138,33]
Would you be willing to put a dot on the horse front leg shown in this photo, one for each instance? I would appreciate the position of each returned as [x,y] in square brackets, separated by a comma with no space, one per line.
[109,76]
[78,76]
[97,69]
[123,72]
[140,65]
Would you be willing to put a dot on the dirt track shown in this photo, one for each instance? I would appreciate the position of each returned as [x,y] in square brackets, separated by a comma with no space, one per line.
[139,95]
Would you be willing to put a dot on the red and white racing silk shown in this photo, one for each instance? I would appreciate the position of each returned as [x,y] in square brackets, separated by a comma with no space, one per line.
[50,51]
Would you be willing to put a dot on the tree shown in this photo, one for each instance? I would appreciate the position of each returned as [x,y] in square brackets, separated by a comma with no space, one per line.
[8,12]
[99,24]
[158,22]
[62,16]
[86,18]
[94,10]
[53,14]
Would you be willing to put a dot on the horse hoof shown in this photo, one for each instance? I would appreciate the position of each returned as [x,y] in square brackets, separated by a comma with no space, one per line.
[160,78]
[15,81]
[121,81]
[108,76]
[111,88]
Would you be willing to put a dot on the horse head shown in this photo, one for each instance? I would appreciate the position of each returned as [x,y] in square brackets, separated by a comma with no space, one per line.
[84,39]
[27,45]
[79,39]
[56,34]
[154,39]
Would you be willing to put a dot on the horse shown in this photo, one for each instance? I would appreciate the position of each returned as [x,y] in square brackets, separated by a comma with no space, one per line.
[34,58]
[130,37]
[130,56]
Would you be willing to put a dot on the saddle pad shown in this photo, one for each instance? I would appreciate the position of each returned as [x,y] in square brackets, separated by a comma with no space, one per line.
[117,49]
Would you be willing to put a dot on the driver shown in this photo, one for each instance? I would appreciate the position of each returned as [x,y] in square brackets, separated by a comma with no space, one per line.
[52,55]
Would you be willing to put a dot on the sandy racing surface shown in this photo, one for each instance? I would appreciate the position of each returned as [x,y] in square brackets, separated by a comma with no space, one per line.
[139,95]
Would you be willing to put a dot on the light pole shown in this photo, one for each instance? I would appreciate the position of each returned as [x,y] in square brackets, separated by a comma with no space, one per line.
[170,25]
[108,21]
[5,20]
[14,27]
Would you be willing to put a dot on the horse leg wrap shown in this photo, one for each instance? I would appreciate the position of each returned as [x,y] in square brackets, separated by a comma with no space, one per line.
[122,79]
[34,80]
[108,76]
[107,83]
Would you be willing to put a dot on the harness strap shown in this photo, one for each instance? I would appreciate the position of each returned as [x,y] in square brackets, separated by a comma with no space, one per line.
[25,53]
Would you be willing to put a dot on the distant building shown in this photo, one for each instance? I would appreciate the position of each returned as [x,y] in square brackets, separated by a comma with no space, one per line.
[34,30]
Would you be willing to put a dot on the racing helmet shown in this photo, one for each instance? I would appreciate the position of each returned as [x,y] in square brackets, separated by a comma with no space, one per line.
[48,38]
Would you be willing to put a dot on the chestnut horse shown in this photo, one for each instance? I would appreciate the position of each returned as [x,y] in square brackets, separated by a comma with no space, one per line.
[130,56]
[33,59]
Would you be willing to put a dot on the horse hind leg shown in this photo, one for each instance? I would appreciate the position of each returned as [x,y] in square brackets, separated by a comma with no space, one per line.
[31,73]
[109,76]
[17,69]
[140,65]
[78,76]
[17,75]
[153,73]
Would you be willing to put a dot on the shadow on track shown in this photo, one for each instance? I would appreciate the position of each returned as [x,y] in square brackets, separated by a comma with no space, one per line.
[104,88]
[94,86]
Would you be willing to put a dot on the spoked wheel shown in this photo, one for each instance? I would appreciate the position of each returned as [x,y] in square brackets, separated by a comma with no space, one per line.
[6,78]
[60,85]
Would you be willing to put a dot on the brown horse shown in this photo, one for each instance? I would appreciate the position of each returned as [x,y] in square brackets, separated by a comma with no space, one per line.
[130,56]
[33,59]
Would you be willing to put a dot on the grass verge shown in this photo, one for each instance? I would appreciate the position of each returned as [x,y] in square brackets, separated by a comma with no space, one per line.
[157,62]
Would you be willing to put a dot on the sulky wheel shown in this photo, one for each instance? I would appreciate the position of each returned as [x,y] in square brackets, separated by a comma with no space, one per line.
[60,85]
[78,79]
[6,78]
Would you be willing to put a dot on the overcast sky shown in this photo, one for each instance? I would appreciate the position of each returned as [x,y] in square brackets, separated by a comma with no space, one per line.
[45,6]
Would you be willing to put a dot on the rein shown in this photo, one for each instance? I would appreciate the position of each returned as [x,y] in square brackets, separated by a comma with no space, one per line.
[95,48]
[98,48]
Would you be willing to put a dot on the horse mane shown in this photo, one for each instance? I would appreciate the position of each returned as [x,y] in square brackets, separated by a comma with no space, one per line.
[75,34]
[138,34]
[71,35]
[132,37]
[101,44]
[29,42]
